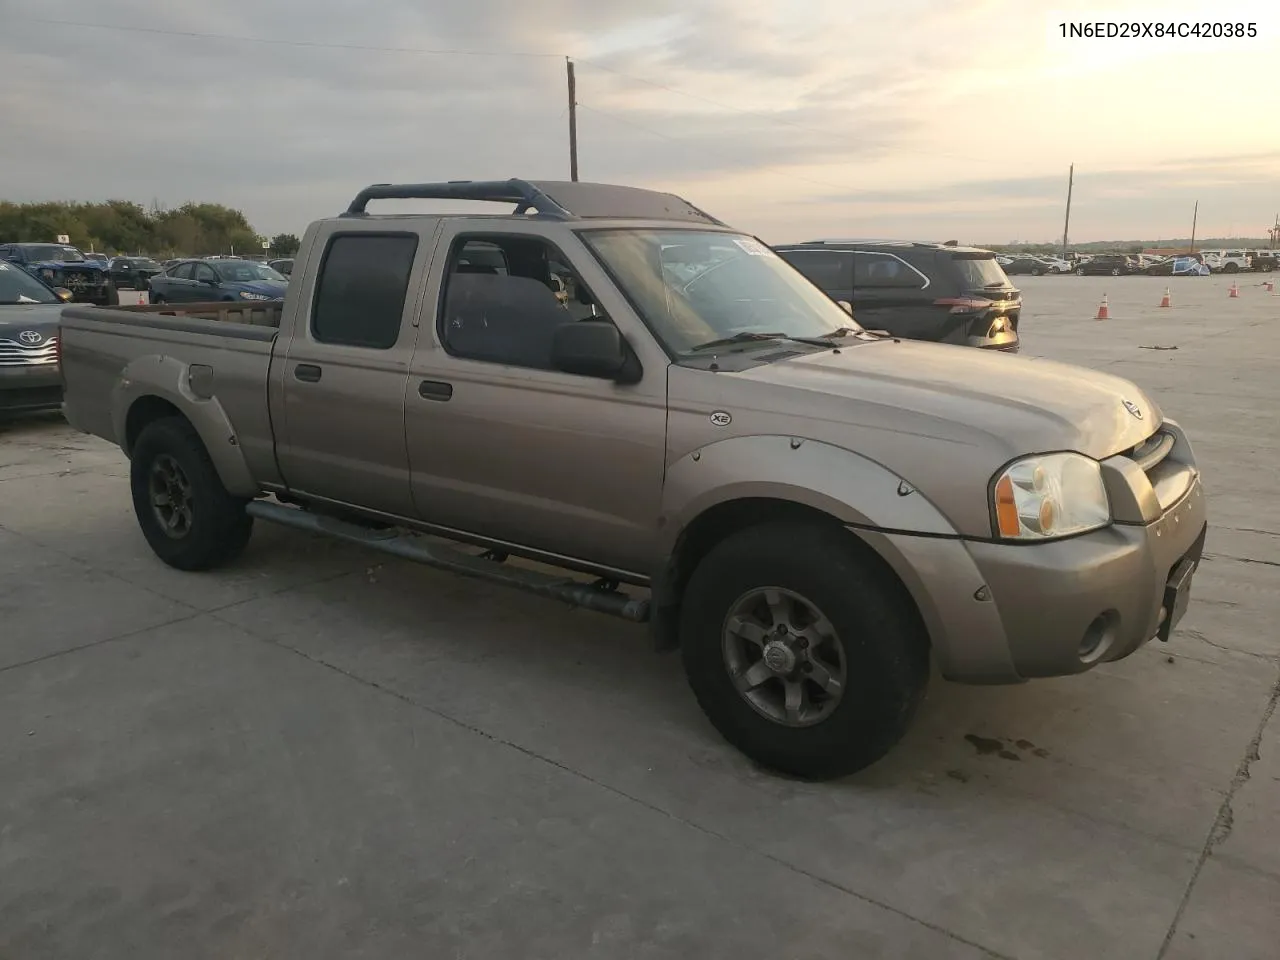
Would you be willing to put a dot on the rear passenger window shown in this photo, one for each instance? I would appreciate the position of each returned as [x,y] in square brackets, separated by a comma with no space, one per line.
[360,295]
[872,270]
[828,269]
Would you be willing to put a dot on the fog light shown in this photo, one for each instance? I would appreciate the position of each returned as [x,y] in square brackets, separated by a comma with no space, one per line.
[1098,637]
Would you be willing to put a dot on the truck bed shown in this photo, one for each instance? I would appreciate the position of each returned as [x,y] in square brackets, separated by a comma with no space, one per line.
[258,314]
[212,358]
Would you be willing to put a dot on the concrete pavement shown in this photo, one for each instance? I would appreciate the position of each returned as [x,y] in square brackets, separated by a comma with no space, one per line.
[322,753]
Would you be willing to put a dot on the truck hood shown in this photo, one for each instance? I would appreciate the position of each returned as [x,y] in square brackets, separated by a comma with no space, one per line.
[1021,404]
[65,264]
[40,318]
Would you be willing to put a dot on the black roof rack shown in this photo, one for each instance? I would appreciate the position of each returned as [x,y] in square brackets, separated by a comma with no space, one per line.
[558,200]
[524,194]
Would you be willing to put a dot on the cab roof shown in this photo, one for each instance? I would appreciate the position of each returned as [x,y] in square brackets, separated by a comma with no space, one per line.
[547,199]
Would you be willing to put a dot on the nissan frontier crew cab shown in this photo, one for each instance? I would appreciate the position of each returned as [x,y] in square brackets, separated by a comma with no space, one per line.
[612,382]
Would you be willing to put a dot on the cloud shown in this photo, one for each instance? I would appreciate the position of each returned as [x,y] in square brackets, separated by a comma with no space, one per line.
[782,116]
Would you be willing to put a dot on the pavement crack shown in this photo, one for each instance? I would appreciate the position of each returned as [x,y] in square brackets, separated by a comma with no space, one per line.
[1197,635]
[98,643]
[1227,556]
[1224,822]
[615,791]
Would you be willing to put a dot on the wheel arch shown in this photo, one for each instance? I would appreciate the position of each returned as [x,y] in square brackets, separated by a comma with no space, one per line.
[726,517]
[154,387]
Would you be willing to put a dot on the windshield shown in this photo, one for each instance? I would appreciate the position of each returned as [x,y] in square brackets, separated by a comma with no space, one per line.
[50,251]
[146,264]
[243,271]
[696,286]
[18,286]
[980,272]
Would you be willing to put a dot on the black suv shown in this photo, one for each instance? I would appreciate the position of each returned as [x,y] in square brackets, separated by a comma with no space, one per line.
[133,272]
[1110,266]
[918,291]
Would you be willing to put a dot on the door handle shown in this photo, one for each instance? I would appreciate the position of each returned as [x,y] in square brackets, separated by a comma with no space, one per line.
[307,372]
[435,390]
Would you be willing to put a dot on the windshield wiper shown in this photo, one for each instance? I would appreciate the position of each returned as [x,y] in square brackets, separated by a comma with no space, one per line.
[840,332]
[749,336]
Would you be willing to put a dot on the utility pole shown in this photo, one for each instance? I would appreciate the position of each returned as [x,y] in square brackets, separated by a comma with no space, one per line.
[573,120]
[1066,226]
[1195,214]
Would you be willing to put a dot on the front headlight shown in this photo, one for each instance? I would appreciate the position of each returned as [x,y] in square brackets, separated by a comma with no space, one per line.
[246,295]
[1050,496]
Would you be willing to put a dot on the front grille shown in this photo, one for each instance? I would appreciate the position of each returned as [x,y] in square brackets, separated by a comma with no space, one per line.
[75,279]
[18,355]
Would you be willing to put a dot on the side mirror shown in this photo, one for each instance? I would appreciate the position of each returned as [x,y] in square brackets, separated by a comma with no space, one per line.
[63,294]
[592,348]
[846,306]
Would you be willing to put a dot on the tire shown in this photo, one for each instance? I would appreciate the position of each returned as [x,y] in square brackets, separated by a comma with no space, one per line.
[1080,271]
[1036,273]
[884,649]
[1115,271]
[156,298]
[213,528]
[113,296]
[1231,268]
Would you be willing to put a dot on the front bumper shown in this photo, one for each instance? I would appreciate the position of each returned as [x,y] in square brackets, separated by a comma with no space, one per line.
[1003,613]
[30,387]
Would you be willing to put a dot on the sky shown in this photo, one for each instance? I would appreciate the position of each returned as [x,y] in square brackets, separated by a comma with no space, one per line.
[792,119]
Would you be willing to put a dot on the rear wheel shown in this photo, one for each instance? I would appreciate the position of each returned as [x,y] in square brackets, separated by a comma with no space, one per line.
[1231,268]
[803,653]
[1080,271]
[1115,271]
[185,512]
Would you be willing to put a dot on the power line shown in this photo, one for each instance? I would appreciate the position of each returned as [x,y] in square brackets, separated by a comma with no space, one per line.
[315,44]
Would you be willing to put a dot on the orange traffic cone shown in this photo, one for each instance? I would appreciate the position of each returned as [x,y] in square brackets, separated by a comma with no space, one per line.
[1234,292]
[1166,300]
[1104,312]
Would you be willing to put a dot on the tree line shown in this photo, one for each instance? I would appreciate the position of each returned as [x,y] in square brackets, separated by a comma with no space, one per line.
[123,227]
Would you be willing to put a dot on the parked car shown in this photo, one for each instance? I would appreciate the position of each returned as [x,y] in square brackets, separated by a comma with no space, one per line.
[1188,265]
[100,258]
[922,291]
[1057,264]
[1264,261]
[810,511]
[1109,265]
[29,314]
[282,267]
[1024,265]
[134,273]
[193,281]
[1227,261]
[58,265]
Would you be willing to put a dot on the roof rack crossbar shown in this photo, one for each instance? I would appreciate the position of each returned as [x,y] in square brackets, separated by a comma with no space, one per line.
[520,192]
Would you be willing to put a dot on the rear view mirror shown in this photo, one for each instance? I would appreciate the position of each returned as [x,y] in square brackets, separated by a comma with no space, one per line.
[846,306]
[591,348]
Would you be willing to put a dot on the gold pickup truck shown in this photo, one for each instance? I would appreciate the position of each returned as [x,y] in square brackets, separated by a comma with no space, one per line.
[614,383]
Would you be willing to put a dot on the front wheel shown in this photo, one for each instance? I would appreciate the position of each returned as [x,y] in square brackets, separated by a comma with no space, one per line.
[1036,272]
[185,512]
[1080,272]
[803,652]
[1230,268]
[1115,271]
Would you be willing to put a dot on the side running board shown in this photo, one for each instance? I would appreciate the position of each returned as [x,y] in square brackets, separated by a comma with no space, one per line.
[601,596]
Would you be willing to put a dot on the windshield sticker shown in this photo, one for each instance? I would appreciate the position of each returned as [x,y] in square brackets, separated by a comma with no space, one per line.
[753,247]
[23,298]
